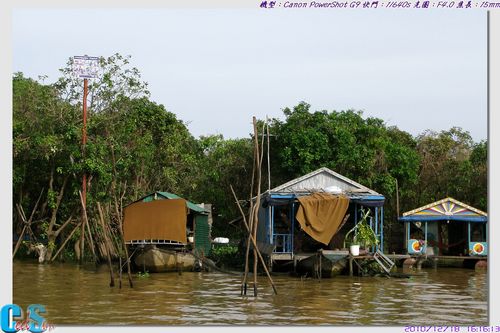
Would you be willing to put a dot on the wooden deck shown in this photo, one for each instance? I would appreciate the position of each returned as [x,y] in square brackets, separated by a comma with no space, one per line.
[297,257]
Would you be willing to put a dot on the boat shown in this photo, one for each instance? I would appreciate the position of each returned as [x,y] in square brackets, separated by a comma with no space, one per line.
[153,259]
[331,263]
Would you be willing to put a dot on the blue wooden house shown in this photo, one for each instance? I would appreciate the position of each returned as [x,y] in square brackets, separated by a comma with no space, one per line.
[279,229]
[446,227]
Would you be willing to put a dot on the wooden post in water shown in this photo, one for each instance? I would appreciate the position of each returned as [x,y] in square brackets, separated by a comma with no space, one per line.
[320,254]
[256,206]
[260,156]
[107,245]
[268,157]
[86,222]
[120,272]
[397,212]
[253,223]
[126,253]
[64,243]
[350,265]
[250,226]
[254,242]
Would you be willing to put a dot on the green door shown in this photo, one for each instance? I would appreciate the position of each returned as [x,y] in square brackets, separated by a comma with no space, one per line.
[202,242]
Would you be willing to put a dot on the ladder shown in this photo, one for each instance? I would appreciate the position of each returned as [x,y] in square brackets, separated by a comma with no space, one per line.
[383,261]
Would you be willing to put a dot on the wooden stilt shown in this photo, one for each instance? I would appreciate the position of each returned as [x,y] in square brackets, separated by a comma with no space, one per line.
[320,254]
[120,272]
[19,241]
[26,222]
[250,226]
[86,223]
[64,243]
[254,243]
[106,245]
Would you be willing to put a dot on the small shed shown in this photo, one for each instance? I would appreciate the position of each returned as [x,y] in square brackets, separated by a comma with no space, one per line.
[164,218]
[446,227]
[282,208]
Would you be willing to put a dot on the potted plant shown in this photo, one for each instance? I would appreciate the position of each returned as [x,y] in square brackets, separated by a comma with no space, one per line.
[363,235]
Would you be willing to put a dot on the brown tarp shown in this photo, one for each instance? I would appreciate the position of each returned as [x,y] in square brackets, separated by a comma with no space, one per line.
[320,215]
[159,219]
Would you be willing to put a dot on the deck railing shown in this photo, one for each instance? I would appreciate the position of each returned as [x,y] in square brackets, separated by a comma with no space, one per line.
[283,243]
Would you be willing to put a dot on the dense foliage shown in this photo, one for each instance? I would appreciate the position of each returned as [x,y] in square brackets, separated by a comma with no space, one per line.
[135,146]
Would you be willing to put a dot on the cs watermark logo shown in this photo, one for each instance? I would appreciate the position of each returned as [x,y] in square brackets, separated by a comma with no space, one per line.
[12,319]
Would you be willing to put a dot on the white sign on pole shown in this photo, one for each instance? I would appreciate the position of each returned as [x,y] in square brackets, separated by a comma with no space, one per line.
[85,67]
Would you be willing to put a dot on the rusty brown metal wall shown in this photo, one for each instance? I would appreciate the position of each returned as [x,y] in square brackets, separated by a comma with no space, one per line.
[159,219]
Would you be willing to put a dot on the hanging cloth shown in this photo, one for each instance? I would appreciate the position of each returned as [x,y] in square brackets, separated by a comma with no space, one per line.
[320,215]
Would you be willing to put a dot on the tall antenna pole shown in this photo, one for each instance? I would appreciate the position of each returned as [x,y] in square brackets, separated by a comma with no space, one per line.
[268,154]
[84,67]
[84,177]
[84,138]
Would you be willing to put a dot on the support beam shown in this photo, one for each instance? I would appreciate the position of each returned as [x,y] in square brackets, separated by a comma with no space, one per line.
[292,226]
[426,236]
[355,213]
[272,225]
[376,226]
[382,229]
[468,233]
[485,232]
[408,227]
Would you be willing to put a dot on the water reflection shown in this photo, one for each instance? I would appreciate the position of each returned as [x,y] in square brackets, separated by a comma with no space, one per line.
[80,296]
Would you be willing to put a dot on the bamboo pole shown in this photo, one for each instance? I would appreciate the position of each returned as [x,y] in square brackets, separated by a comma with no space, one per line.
[120,222]
[259,154]
[82,235]
[65,241]
[397,212]
[19,241]
[254,242]
[253,216]
[268,157]
[120,272]
[36,206]
[250,226]
[106,245]
[86,222]
[26,222]
[397,197]
[111,233]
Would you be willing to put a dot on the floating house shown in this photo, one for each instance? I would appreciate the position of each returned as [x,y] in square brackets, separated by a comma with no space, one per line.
[306,214]
[166,227]
[446,227]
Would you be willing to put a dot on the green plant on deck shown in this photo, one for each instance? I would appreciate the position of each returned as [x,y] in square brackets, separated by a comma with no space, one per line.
[363,234]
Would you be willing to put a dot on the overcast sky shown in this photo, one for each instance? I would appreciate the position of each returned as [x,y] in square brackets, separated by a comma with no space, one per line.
[215,69]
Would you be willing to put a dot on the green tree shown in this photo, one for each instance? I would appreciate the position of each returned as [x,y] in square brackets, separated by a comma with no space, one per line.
[225,163]
[45,144]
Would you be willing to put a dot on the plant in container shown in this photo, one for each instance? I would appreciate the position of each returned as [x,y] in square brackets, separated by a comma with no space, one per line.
[362,236]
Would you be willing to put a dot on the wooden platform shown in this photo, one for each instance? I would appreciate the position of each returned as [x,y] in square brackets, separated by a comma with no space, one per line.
[406,256]
[297,257]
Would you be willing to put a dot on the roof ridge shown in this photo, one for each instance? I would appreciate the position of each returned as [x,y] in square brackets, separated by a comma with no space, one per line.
[318,171]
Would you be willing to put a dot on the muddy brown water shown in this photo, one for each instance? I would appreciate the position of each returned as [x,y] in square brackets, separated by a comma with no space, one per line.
[76,295]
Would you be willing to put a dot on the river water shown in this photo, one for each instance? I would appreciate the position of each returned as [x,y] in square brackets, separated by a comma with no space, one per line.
[76,295]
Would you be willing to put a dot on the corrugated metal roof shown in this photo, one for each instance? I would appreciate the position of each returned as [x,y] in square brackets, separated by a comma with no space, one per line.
[190,205]
[168,195]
